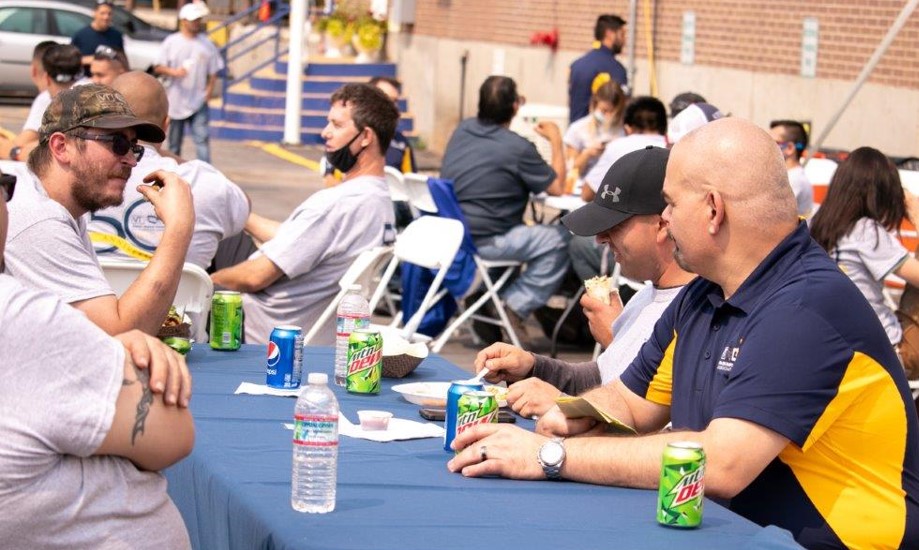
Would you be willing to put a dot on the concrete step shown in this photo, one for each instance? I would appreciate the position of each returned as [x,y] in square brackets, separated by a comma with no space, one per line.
[240,132]
[258,116]
[326,66]
[244,95]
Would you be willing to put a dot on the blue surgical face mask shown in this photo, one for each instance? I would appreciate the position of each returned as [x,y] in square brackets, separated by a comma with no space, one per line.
[343,159]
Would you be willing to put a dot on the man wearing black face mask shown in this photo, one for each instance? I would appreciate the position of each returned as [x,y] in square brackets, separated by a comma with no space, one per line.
[294,275]
[598,63]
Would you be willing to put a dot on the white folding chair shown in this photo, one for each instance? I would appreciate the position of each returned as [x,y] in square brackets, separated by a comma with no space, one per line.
[419,193]
[193,296]
[421,199]
[396,183]
[364,270]
[429,242]
[492,288]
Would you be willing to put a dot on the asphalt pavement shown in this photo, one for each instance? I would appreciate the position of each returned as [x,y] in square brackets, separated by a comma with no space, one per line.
[278,178]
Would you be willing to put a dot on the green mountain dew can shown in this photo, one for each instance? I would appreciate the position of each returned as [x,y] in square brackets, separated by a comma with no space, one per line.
[365,361]
[475,407]
[226,320]
[682,487]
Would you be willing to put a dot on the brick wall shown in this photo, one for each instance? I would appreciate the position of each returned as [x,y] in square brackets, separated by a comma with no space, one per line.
[745,35]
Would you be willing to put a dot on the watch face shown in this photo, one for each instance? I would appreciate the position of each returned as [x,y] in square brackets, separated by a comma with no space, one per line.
[551,453]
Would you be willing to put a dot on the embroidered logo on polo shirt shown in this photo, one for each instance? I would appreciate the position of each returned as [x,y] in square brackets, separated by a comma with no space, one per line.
[729,356]
[607,193]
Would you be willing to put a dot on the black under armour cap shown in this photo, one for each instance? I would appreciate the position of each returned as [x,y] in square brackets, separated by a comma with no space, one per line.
[631,187]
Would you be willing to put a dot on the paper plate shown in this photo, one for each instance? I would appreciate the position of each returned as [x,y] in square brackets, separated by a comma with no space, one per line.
[434,394]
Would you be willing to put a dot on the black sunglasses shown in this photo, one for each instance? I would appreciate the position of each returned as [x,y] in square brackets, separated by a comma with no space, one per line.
[7,185]
[120,144]
[105,52]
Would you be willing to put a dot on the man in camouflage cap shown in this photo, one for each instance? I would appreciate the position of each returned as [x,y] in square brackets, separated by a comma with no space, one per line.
[87,148]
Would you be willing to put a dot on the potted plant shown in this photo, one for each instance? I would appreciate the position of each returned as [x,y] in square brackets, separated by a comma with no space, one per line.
[337,30]
[368,38]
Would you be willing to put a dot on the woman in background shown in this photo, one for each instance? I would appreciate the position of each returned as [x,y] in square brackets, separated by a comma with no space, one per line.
[586,137]
[859,225]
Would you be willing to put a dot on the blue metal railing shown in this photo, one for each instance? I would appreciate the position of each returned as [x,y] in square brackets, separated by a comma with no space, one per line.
[242,44]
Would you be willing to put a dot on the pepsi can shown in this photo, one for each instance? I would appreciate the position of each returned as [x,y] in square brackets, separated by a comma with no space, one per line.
[285,357]
[457,388]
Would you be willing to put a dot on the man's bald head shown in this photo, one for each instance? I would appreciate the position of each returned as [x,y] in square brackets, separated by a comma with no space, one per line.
[742,162]
[728,200]
[145,95]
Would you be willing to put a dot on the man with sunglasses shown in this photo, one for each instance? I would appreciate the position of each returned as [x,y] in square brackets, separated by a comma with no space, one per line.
[221,207]
[99,32]
[94,476]
[87,149]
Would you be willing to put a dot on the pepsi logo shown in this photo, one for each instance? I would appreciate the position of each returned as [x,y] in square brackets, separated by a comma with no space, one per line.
[274,354]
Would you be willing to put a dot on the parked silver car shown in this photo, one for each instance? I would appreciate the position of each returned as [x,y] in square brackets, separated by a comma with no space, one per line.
[25,23]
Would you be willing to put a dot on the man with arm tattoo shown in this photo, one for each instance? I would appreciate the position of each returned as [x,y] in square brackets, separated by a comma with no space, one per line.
[85,426]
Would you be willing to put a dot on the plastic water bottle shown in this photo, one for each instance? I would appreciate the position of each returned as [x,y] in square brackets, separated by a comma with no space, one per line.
[315,465]
[353,313]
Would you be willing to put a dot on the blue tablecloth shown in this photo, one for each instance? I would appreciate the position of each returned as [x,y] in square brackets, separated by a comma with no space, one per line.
[234,489]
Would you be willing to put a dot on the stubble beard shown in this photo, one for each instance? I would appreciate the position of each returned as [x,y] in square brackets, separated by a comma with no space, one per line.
[88,184]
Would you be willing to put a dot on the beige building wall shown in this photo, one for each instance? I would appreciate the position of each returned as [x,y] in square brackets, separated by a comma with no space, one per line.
[747,61]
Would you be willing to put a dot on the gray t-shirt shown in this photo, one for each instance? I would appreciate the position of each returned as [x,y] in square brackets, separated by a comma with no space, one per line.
[617,149]
[314,247]
[803,190]
[61,378]
[221,209]
[200,58]
[494,171]
[37,111]
[46,248]
[868,254]
[631,330]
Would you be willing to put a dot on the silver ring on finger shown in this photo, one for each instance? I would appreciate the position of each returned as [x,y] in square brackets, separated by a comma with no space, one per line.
[483,452]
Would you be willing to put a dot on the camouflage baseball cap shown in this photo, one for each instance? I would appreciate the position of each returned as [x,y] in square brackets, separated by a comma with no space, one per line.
[94,106]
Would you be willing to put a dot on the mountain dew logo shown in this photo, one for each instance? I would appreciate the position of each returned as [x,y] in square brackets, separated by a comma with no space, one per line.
[688,488]
[475,407]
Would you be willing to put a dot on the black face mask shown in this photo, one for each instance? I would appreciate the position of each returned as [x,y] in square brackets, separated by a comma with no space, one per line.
[343,159]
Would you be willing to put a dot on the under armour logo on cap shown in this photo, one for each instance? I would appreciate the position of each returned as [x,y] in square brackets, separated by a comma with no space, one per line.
[607,193]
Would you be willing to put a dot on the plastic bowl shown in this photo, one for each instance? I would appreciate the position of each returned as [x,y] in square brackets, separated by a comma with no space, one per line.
[372,421]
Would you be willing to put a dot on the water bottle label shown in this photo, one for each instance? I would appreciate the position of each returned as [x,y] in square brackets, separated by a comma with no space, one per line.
[315,430]
[346,324]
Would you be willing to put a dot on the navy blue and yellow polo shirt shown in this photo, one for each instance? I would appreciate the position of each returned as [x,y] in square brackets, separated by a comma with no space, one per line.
[798,350]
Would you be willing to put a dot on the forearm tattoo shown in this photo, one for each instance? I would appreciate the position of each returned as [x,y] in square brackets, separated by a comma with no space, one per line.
[143,406]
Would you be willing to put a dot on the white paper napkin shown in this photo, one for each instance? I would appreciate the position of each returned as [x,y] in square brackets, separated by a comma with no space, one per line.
[262,389]
[398,429]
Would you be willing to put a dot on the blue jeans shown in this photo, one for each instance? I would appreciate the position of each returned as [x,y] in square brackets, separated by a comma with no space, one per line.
[199,133]
[545,251]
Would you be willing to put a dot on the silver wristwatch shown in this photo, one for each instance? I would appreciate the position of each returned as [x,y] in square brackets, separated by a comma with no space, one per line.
[551,456]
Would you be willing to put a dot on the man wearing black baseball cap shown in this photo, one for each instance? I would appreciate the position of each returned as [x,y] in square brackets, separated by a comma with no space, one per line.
[87,149]
[625,215]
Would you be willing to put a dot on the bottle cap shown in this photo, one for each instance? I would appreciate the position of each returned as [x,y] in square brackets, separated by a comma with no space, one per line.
[319,378]
[355,287]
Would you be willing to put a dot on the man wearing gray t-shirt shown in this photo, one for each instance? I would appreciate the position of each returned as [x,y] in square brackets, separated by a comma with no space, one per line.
[84,426]
[87,150]
[294,275]
[190,62]
[626,216]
